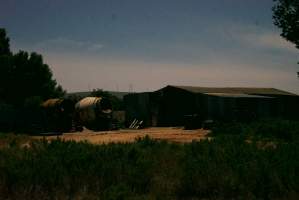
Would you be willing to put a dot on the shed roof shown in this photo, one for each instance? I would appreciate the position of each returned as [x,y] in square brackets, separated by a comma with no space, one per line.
[234,95]
[234,90]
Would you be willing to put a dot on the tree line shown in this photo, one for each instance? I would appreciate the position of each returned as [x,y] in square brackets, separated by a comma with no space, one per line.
[24,77]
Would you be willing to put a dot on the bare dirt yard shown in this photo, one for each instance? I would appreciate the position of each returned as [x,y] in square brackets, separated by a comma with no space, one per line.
[173,134]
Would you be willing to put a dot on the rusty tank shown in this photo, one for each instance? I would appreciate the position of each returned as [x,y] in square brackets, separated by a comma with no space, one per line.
[94,113]
[58,114]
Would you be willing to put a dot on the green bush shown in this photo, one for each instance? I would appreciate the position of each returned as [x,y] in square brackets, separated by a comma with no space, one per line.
[223,168]
[285,130]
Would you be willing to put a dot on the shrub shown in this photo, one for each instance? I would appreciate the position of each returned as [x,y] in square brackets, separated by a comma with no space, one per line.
[223,168]
[285,130]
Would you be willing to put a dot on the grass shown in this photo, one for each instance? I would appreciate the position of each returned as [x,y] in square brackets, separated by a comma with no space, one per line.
[11,139]
[277,130]
[226,167]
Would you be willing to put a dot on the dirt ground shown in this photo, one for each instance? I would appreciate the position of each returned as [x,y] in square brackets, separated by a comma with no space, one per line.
[173,134]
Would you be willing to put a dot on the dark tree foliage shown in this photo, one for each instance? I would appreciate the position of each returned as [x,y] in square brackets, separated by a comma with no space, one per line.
[4,43]
[24,76]
[286,17]
[117,103]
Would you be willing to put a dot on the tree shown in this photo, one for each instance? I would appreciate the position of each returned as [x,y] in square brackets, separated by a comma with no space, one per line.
[286,17]
[24,76]
[4,43]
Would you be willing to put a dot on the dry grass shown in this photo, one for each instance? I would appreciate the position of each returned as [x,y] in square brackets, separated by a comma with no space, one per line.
[173,134]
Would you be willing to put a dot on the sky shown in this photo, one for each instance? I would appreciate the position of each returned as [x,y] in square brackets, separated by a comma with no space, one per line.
[144,45]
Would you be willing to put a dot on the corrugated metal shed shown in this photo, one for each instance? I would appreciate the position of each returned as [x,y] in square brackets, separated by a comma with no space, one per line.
[168,106]
[231,95]
[234,90]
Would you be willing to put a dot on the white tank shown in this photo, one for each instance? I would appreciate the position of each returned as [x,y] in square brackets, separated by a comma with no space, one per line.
[94,113]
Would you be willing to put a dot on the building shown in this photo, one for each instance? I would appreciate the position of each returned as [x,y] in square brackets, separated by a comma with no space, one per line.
[171,105]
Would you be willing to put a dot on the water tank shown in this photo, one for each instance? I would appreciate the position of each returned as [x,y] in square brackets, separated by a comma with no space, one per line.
[94,113]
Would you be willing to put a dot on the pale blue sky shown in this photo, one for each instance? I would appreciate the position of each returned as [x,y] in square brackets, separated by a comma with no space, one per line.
[112,44]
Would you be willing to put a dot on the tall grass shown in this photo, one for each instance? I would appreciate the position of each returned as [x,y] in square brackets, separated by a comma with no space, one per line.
[283,130]
[223,168]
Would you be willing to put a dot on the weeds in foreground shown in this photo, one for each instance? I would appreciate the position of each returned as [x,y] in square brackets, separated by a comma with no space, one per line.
[281,130]
[223,168]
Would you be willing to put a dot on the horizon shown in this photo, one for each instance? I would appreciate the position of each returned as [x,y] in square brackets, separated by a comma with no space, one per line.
[114,91]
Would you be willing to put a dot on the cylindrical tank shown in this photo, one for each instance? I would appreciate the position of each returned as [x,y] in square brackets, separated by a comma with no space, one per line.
[94,113]
[59,114]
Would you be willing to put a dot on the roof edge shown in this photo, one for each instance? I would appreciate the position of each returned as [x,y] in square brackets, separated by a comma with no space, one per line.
[189,88]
